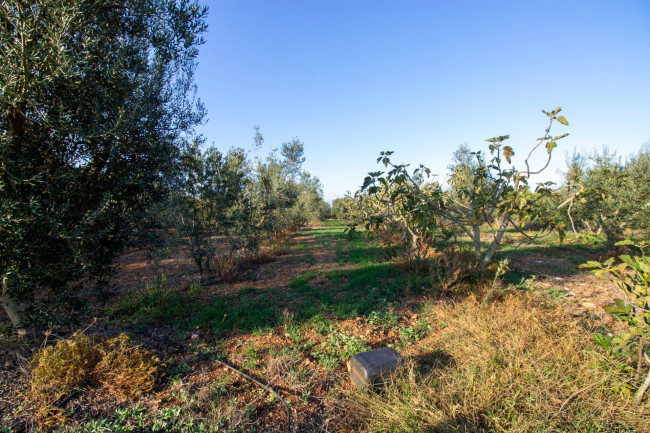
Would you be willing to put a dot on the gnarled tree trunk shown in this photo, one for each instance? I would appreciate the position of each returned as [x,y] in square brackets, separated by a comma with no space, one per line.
[15,310]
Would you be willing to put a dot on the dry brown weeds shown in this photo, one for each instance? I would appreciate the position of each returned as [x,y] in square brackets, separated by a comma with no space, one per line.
[126,370]
[514,366]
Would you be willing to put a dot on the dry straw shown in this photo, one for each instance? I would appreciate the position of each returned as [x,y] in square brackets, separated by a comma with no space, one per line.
[517,365]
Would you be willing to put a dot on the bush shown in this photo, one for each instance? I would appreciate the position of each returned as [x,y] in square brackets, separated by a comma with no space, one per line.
[59,370]
[632,277]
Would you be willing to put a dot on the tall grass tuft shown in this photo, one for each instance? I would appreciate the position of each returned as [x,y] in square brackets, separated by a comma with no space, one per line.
[517,365]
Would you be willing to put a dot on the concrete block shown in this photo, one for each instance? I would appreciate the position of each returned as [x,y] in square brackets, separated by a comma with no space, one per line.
[371,369]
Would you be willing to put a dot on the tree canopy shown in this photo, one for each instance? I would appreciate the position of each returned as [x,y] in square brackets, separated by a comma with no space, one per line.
[97,101]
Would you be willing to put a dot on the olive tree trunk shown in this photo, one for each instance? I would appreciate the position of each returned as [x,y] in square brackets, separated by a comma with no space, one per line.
[15,310]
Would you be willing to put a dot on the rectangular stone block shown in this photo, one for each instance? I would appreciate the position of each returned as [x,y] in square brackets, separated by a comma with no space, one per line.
[371,369]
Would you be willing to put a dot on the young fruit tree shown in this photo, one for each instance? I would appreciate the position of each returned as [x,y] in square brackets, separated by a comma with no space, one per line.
[97,101]
[492,197]
[631,276]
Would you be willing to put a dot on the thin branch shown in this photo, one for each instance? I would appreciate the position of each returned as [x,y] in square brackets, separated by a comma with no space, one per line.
[572,396]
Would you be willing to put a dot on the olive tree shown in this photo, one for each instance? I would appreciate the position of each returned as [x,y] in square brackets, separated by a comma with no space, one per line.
[206,202]
[96,103]
[616,192]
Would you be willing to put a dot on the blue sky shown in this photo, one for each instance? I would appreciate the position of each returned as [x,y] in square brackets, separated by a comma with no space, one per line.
[351,78]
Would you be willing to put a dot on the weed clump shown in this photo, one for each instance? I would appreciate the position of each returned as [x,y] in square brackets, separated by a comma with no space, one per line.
[59,370]
[126,370]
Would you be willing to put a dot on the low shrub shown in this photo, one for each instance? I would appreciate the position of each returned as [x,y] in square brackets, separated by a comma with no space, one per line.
[59,370]
[456,270]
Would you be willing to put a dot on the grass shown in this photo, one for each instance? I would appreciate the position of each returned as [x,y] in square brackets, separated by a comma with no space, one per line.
[369,284]
[337,348]
[512,366]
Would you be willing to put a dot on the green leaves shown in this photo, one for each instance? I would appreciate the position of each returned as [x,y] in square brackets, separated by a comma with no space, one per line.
[604,341]
[508,153]
[498,139]
[620,310]
[97,104]
[550,146]
[632,276]
[552,113]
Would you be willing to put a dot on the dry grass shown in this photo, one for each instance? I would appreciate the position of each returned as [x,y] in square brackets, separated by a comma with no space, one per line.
[456,270]
[290,372]
[512,366]
[127,371]
[226,267]
[57,371]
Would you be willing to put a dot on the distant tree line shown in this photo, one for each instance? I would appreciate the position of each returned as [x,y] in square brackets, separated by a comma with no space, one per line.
[617,193]
[225,203]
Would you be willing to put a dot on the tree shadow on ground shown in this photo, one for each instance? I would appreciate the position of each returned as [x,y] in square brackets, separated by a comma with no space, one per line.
[343,294]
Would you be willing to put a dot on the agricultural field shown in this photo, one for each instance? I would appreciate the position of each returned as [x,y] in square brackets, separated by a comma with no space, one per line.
[515,352]
[444,252]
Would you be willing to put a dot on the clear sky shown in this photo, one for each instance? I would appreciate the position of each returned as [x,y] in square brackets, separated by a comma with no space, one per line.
[353,77]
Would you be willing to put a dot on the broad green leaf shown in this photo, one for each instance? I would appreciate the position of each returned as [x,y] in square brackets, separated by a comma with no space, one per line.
[644,266]
[550,146]
[627,259]
[563,120]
